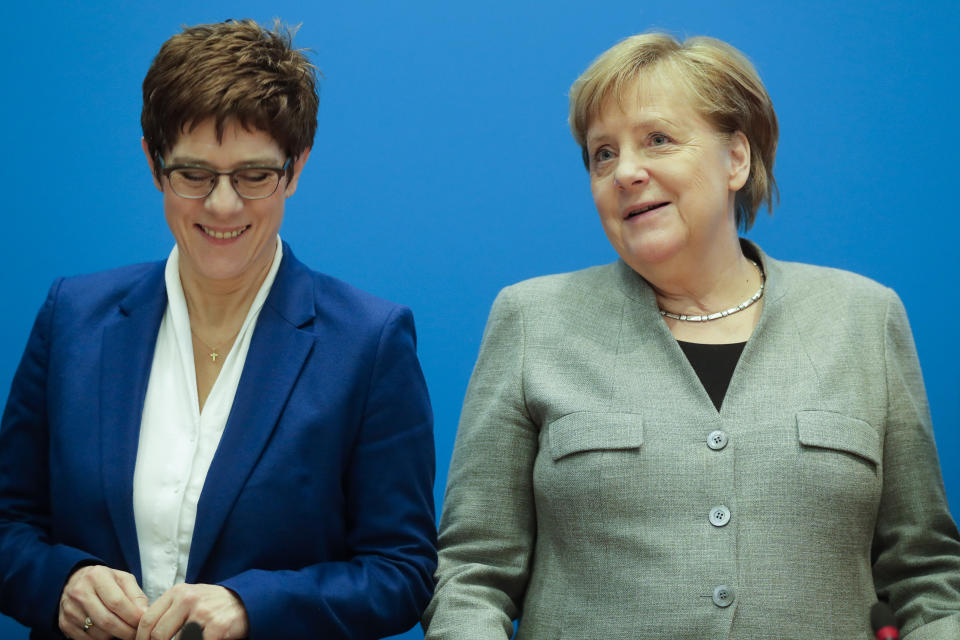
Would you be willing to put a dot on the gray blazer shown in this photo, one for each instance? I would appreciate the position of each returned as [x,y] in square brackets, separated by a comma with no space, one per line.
[595,491]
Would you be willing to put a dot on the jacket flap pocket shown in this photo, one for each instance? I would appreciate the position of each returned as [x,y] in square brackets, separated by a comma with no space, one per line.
[593,431]
[836,431]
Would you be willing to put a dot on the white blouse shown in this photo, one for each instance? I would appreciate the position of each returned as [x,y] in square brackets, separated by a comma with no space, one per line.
[177,440]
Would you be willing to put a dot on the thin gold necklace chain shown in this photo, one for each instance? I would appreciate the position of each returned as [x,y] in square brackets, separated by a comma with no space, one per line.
[214,352]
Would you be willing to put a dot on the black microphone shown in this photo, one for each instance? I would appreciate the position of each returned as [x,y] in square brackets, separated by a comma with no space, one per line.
[883,623]
[191,631]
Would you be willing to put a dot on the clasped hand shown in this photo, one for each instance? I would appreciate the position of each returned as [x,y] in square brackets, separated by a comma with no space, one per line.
[117,608]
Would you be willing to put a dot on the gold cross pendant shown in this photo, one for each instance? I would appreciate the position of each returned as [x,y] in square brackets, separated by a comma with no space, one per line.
[214,355]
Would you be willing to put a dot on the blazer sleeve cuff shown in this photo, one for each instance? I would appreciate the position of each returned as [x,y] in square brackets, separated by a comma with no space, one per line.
[39,602]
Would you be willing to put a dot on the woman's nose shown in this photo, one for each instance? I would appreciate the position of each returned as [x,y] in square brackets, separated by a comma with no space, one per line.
[224,198]
[631,170]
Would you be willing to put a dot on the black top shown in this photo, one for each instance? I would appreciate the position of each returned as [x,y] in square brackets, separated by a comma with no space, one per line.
[714,364]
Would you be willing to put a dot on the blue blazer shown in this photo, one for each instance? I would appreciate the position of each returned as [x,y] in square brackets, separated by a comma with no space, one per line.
[317,509]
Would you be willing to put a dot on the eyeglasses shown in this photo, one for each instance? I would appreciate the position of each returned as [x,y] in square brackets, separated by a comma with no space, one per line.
[196,182]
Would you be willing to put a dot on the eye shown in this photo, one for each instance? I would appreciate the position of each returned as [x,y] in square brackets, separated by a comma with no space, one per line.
[196,176]
[254,176]
[659,139]
[602,155]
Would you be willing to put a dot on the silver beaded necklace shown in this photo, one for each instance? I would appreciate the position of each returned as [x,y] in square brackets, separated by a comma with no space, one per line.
[726,312]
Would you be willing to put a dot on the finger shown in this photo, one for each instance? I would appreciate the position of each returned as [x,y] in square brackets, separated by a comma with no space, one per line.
[150,617]
[76,631]
[169,623]
[220,612]
[130,587]
[124,598]
[67,617]
[93,633]
[71,628]
[104,619]
[71,621]
[94,592]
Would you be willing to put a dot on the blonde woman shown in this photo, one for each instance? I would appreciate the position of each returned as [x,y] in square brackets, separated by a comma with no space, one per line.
[698,440]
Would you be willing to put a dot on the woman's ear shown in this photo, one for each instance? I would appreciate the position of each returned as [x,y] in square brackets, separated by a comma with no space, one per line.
[153,172]
[297,168]
[739,160]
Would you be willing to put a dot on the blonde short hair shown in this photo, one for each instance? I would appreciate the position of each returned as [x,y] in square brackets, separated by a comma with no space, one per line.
[726,89]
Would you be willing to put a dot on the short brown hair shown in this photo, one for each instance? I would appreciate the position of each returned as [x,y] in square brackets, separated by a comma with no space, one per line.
[230,70]
[725,86]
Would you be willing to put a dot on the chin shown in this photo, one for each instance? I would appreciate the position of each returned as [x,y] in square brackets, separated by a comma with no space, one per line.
[649,251]
[220,270]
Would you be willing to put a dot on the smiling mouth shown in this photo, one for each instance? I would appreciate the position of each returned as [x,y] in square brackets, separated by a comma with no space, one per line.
[223,235]
[641,210]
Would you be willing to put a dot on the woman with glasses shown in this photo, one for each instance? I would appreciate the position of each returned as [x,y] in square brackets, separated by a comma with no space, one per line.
[225,437]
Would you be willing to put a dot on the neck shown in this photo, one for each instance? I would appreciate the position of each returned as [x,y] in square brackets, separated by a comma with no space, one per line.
[710,281]
[217,308]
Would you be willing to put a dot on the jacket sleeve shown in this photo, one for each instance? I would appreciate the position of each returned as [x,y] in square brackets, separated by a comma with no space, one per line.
[916,545]
[33,569]
[488,524]
[391,536]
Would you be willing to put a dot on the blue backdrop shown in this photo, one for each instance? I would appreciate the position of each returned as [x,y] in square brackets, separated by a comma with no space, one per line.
[443,169]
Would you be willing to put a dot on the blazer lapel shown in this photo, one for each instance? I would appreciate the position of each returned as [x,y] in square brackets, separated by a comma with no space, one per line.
[127,355]
[278,350]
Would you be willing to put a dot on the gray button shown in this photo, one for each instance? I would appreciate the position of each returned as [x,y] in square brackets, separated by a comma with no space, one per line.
[717,440]
[719,516]
[723,596]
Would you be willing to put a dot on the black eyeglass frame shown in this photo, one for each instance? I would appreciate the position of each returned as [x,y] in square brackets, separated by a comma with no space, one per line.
[280,171]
